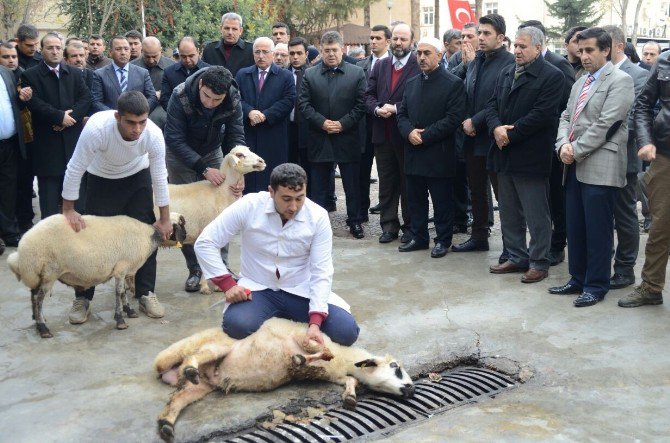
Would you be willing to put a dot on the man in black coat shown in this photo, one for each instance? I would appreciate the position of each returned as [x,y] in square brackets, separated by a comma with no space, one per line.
[480,80]
[231,51]
[58,106]
[522,116]
[177,73]
[331,100]
[27,37]
[432,108]
[298,128]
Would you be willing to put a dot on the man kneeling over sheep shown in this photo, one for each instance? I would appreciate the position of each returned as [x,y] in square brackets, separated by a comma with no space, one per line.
[113,148]
[286,261]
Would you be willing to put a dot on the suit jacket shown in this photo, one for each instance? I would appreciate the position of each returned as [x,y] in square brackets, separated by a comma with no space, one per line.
[532,103]
[652,108]
[333,94]
[52,96]
[568,74]
[174,75]
[155,73]
[379,93]
[639,76]
[241,55]
[9,83]
[437,105]
[106,89]
[601,130]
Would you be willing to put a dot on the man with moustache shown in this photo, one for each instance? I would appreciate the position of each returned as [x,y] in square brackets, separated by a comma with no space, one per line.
[384,93]
[177,73]
[281,55]
[458,63]
[231,51]
[75,56]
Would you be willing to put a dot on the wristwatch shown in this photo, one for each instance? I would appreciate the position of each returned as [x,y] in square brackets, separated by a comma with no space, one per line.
[204,173]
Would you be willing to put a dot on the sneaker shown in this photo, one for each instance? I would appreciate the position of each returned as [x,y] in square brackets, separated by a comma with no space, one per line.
[81,308]
[639,297]
[150,305]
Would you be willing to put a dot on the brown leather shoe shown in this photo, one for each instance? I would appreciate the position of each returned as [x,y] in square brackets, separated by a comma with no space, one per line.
[534,275]
[506,268]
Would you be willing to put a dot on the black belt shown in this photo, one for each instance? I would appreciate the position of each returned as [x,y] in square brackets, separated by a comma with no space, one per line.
[10,140]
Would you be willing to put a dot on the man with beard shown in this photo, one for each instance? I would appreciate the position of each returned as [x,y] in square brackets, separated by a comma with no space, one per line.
[386,87]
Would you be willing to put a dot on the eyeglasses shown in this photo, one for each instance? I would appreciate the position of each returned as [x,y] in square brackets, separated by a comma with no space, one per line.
[261,51]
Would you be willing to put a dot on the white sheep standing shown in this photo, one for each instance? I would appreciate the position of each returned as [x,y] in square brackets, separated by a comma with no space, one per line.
[272,356]
[201,202]
[109,247]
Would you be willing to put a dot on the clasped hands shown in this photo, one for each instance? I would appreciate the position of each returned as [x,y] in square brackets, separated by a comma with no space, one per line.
[386,111]
[332,127]
[256,117]
[68,121]
[500,135]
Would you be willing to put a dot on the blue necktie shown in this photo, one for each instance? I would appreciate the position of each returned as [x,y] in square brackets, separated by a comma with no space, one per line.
[122,80]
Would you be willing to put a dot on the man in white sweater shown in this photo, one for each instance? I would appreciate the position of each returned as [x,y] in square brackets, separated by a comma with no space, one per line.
[124,154]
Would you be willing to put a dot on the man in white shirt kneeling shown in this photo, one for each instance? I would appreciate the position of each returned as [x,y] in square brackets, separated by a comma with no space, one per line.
[286,261]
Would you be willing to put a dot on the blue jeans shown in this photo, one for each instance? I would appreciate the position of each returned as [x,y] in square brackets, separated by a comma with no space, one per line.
[242,319]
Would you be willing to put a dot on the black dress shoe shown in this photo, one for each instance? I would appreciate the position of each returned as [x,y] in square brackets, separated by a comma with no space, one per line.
[471,245]
[405,237]
[193,281]
[440,250]
[619,281]
[411,245]
[587,299]
[376,209]
[556,257]
[357,230]
[460,229]
[387,237]
[504,256]
[566,289]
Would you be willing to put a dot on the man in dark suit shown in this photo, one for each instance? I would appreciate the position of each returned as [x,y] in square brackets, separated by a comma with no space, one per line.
[268,95]
[480,80]
[331,100]
[386,86]
[231,51]
[75,56]
[591,142]
[153,61]
[120,76]
[27,37]
[432,108]
[11,148]
[298,128]
[177,73]
[522,116]
[58,106]
[625,210]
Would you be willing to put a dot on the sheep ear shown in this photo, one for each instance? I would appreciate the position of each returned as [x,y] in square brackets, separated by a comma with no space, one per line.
[369,363]
[182,221]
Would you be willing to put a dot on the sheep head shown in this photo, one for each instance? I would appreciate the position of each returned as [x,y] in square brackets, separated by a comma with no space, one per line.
[178,230]
[242,160]
[384,375]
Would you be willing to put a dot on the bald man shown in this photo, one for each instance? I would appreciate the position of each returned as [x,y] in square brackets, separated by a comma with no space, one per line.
[153,61]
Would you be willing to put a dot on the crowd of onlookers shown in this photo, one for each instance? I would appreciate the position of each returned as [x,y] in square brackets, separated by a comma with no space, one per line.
[562,142]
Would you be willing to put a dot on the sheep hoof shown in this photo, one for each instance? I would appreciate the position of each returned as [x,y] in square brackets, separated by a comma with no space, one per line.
[192,374]
[44,331]
[299,360]
[205,290]
[166,430]
[130,312]
[120,323]
[350,402]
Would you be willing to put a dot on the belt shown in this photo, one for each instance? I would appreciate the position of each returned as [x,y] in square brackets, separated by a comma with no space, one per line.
[10,140]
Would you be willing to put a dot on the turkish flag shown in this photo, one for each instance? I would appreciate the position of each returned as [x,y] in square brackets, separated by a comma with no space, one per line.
[461,13]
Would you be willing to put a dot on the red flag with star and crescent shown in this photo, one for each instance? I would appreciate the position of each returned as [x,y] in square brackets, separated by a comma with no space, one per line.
[461,13]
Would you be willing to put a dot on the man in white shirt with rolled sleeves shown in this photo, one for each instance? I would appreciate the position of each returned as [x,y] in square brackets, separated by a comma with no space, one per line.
[286,261]
[124,154]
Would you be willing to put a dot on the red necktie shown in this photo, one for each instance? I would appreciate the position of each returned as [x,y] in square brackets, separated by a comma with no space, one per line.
[261,81]
[581,101]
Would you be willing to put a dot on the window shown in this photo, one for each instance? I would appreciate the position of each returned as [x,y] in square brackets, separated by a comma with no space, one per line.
[428,15]
[491,7]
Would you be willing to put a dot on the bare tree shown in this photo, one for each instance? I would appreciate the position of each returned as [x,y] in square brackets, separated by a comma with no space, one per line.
[436,19]
[633,37]
[416,16]
[621,7]
[478,8]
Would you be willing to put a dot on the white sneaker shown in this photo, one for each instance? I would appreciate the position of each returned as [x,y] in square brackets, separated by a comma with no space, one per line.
[81,308]
[150,305]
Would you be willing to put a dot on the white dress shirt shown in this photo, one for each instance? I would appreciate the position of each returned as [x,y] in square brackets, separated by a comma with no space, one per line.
[300,251]
[7,123]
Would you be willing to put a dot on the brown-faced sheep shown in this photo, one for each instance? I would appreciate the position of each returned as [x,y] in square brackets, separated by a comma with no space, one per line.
[109,247]
[270,357]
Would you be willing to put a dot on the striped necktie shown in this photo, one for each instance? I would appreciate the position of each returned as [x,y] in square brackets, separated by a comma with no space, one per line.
[581,101]
[123,82]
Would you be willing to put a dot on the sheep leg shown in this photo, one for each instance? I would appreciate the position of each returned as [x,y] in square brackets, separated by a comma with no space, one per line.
[182,397]
[118,316]
[206,354]
[303,359]
[204,286]
[37,299]
[130,312]
[349,394]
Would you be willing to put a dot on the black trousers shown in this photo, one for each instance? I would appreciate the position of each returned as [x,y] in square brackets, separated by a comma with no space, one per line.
[392,187]
[557,205]
[297,155]
[367,158]
[9,159]
[461,194]
[24,189]
[441,192]
[131,196]
[322,191]
[478,179]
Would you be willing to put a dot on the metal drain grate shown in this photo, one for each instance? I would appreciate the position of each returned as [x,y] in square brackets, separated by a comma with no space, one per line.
[377,415]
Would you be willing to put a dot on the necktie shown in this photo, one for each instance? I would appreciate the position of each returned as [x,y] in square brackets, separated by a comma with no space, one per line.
[261,81]
[581,101]
[122,80]
[298,83]
[55,71]
[397,65]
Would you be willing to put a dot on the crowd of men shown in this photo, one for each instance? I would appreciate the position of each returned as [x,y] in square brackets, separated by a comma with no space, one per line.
[561,142]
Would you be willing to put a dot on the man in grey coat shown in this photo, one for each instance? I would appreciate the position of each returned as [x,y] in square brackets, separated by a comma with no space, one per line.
[331,102]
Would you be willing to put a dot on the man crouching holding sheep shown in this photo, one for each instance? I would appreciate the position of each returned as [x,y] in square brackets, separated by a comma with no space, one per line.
[286,261]
[124,154]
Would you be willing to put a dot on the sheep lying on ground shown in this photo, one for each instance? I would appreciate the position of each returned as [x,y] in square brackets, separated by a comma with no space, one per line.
[271,357]
[109,247]
[201,202]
